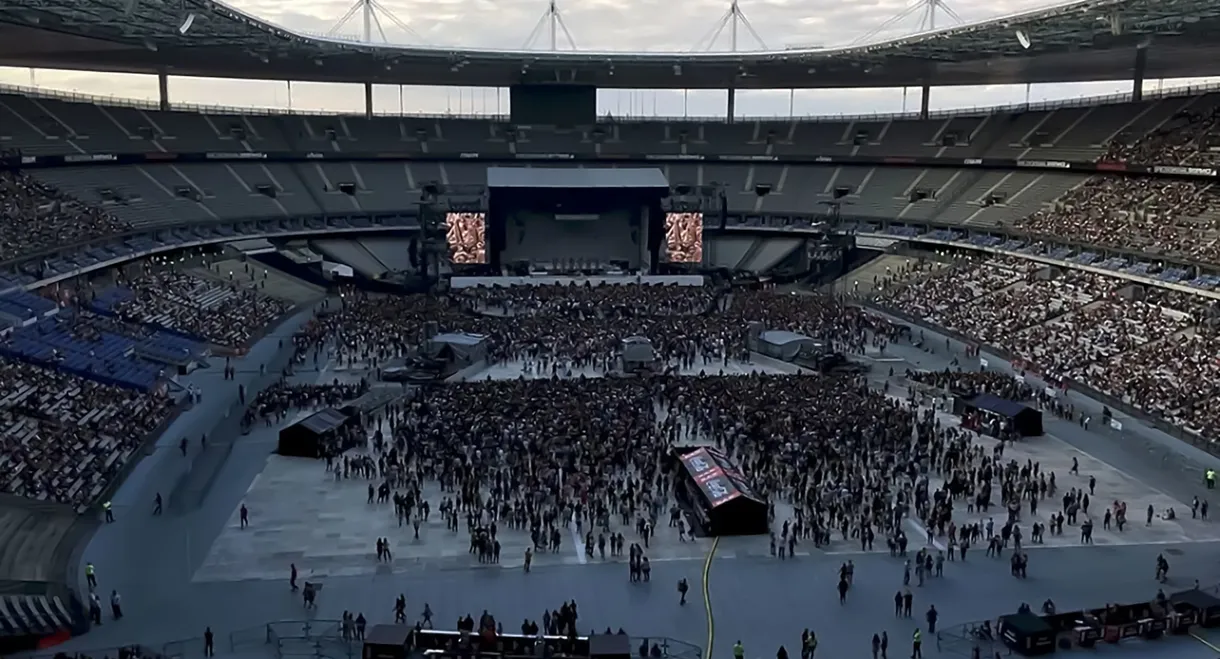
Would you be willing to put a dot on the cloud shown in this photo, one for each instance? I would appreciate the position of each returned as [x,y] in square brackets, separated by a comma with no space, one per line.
[603,25]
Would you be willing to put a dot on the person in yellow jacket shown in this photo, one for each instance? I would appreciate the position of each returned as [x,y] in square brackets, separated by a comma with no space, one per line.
[739,650]
[916,643]
[90,575]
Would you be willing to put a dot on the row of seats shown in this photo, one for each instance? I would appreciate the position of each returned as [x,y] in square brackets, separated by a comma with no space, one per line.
[64,438]
[1150,268]
[37,124]
[1174,217]
[1152,347]
[82,388]
[223,314]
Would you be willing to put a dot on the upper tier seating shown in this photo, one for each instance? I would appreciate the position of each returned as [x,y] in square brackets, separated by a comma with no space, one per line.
[1153,348]
[35,216]
[1154,215]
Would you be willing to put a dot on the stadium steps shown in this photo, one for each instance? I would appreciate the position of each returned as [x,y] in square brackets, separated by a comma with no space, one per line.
[376,259]
[279,284]
[746,259]
[772,252]
[348,253]
[31,533]
[865,273]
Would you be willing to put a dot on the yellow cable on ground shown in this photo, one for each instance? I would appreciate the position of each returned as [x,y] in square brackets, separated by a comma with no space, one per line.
[707,599]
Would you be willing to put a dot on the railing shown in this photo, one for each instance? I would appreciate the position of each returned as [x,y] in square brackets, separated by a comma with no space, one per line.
[316,639]
[670,648]
[1173,91]
[324,633]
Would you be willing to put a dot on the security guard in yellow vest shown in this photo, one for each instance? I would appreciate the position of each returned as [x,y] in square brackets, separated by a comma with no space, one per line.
[739,650]
[90,575]
[916,642]
[108,511]
[1210,475]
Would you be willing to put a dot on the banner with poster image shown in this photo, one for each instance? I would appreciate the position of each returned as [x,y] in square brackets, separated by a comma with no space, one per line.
[684,237]
[466,235]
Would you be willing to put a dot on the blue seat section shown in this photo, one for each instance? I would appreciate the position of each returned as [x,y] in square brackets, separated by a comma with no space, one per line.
[36,304]
[107,357]
[20,312]
[109,299]
[169,348]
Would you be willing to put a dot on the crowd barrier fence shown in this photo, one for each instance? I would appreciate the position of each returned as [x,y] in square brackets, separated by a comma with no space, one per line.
[303,639]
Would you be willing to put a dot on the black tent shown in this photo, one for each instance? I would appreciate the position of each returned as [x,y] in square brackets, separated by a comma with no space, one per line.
[1023,419]
[718,495]
[305,438]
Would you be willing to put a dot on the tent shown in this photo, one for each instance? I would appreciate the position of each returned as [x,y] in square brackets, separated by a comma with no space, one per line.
[1025,420]
[638,350]
[719,497]
[307,437]
[785,345]
[464,349]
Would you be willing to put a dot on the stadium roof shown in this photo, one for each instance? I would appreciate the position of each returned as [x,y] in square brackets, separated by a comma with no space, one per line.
[1084,40]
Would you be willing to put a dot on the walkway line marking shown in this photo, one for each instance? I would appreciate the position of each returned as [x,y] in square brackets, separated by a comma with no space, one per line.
[707,598]
[1204,641]
[578,541]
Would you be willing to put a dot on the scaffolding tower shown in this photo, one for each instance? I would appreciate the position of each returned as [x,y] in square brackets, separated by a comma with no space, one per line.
[734,20]
[371,12]
[551,20]
[926,10]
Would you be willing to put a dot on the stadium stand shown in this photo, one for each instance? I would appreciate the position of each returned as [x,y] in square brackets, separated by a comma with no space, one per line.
[150,196]
[1152,348]
[81,384]
[227,315]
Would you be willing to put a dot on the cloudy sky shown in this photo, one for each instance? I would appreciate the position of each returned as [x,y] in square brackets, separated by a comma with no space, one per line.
[656,25]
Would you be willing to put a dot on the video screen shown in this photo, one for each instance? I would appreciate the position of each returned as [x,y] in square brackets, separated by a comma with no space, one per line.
[684,237]
[467,237]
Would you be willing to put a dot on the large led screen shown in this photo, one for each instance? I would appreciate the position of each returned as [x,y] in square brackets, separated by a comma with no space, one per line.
[684,237]
[466,234]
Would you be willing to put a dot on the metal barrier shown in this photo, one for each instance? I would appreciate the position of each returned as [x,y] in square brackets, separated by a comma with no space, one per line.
[961,640]
[306,639]
[670,648]
[316,639]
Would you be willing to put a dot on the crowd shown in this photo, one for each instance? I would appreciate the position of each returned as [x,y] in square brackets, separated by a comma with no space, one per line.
[226,315]
[1124,212]
[1151,347]
[64,439]
[977,382]
[273,404]
[582,326]
[35,216]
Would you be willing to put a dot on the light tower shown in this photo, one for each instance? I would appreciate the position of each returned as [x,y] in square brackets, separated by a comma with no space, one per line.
[734,19]
[926,10]
[551,20]
[371,12]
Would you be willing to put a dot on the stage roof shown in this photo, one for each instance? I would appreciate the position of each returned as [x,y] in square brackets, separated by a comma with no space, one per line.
[324,421]
[555,177]
[1084,40]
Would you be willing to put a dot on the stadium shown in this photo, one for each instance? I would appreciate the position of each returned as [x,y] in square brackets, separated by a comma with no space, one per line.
[475,366]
